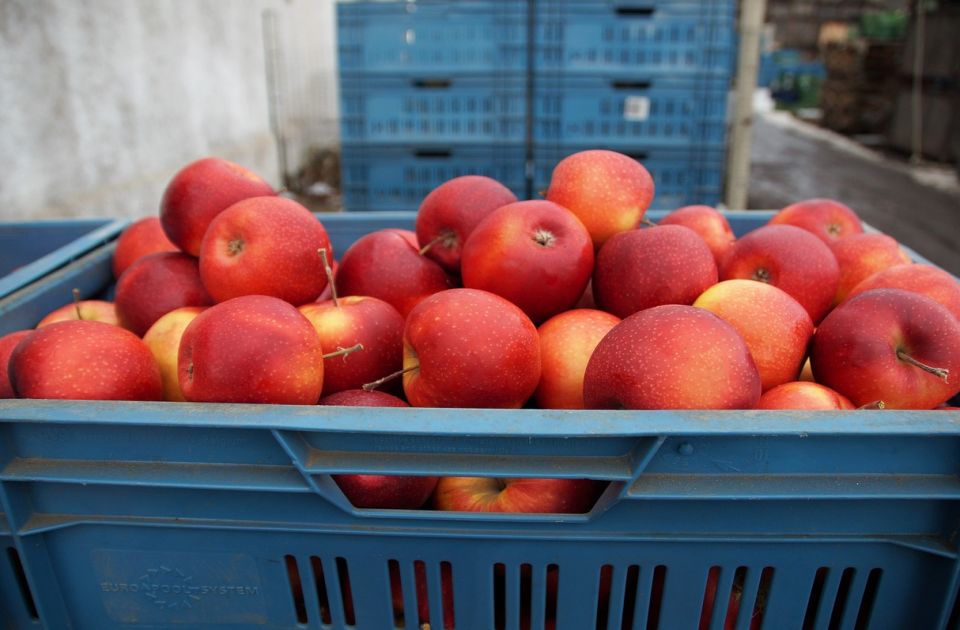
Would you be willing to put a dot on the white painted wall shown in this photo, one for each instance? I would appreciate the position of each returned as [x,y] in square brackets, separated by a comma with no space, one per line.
[101,101]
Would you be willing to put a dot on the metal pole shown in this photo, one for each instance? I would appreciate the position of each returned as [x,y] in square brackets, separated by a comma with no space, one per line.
[738,173]
[272,63]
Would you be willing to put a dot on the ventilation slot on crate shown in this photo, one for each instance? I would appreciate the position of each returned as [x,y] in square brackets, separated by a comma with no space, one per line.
[819,603]
[419,592]
[346,594]
[722,608]
[296,588]
[606,594]
[22,582]
[499,596]
[525,597]
[656,597]
[954,621]
[870,596]
[320,582]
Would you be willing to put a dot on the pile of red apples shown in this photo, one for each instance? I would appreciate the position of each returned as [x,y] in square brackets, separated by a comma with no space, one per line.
[575,301]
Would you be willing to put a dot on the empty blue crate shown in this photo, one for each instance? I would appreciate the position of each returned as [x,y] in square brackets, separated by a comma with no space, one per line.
[398,178]
[661,112]
[434,109]
[680,178]
[656,39]
[416,37]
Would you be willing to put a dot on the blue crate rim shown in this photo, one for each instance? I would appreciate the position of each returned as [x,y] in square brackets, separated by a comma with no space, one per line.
[61,256]
[535,423]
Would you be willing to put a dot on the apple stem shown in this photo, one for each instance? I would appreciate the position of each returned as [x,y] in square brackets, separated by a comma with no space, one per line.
[343,352]
[445,236]
[877,404]
[76,302]
[647,222]
[941,373]
[329,271]
[369,387]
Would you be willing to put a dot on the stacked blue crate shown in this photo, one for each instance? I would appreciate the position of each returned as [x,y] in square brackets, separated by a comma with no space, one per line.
[648,78]
[429,91]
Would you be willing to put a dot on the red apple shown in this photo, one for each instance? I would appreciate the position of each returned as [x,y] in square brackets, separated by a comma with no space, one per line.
[386,265]
[491,494]
[889,345]
[671,357]
[348,321]
[87,310]
[449,213]
[155,285]
[927,280]
[803,395]
[829,220]
[84,360]
[791,259]
[566,342]
[265,246]
[7,343]
[469,348]
[163,339]
[251,349]
[199,192]
[640,269]
[608,191]
[859,256]
[391,492]
[533,253]
[362,398]
[709,224]
[775,326]
[386,492]
[141,238]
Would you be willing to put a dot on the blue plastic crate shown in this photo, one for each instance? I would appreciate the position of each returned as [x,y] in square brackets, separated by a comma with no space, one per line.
[681,177]
[159,514]
[425,39]
[391,109]
[657,39]
[398,178]
[31,249]
[601,110]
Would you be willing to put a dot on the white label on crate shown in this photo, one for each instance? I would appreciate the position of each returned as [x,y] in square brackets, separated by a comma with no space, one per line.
[636,108]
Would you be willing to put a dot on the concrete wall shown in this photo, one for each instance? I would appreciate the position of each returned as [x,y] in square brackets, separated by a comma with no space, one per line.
[101,101]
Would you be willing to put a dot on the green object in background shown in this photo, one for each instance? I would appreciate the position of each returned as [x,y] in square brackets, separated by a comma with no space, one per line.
[884,25]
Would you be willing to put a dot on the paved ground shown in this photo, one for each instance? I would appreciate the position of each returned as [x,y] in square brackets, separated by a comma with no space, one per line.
[918,207]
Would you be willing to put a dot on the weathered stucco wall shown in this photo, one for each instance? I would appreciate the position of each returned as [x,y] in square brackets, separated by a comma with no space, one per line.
[101,101]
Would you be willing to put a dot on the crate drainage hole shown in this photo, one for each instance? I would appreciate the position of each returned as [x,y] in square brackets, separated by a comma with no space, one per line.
[22,582]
